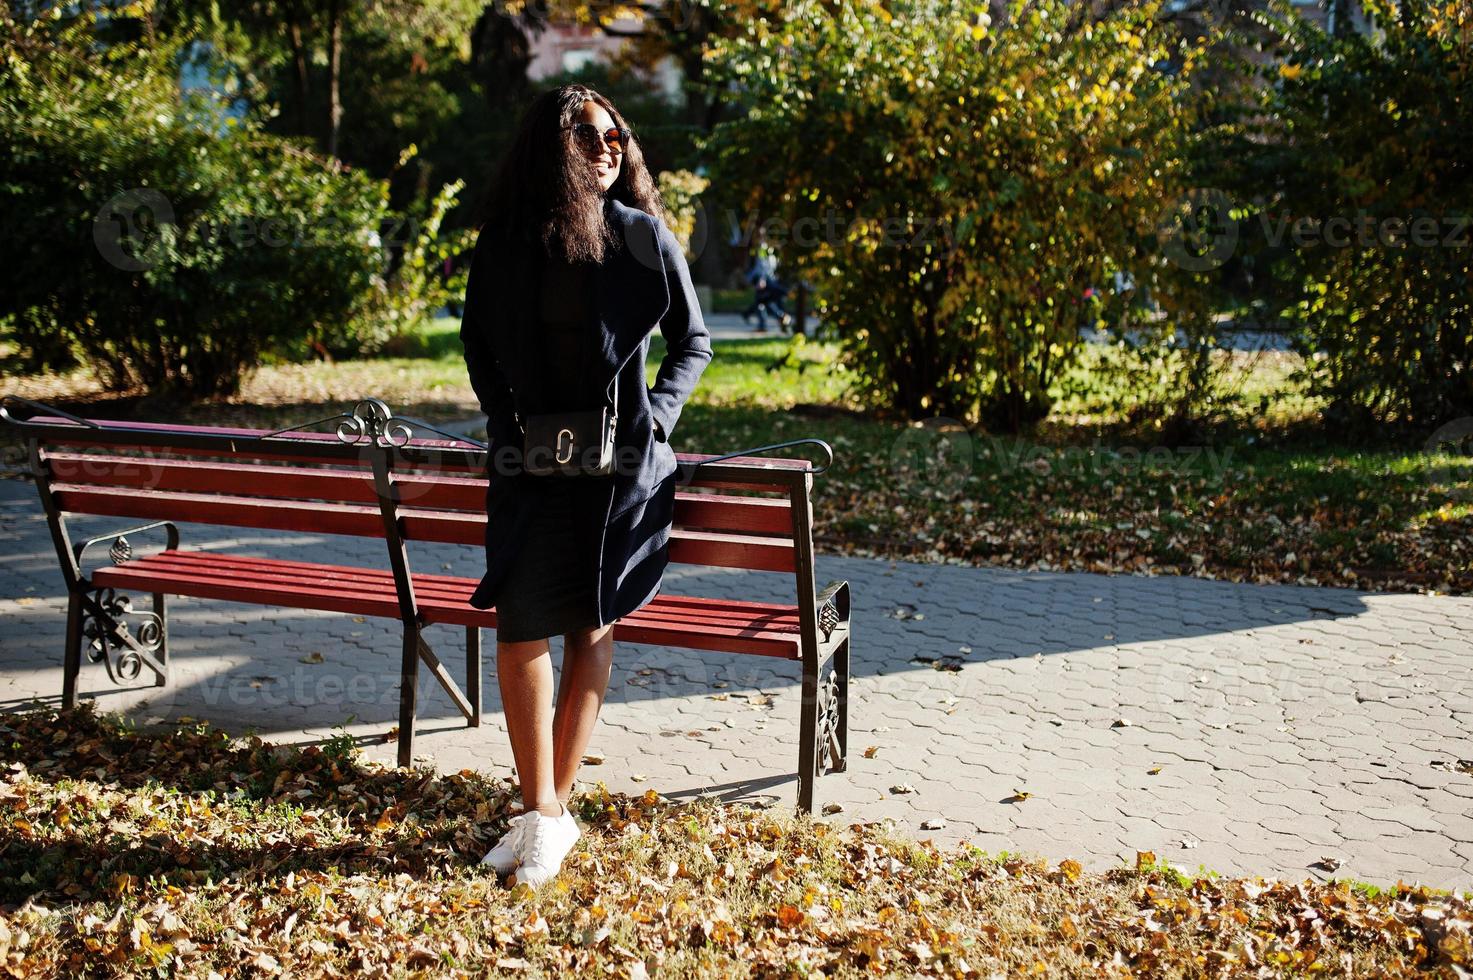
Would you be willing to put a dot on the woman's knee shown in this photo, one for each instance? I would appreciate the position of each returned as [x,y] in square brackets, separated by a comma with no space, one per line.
[590,638]
[520,652]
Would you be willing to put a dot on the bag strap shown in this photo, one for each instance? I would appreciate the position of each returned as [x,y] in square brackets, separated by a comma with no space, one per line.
[828,451]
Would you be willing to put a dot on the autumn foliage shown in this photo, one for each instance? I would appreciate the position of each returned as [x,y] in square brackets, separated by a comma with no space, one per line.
[955,189]
[124,853]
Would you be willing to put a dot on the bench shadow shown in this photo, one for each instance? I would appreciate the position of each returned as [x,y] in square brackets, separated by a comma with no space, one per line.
[83,856]
[734,790]
[909,619]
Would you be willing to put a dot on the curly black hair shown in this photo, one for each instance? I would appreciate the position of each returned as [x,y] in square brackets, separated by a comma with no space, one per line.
[545,192]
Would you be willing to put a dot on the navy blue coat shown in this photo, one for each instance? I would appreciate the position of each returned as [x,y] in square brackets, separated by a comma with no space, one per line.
[643,282]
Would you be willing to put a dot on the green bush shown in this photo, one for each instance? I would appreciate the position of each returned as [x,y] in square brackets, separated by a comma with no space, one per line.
[415,287]
[166,244]
[1355,193]
[976,182]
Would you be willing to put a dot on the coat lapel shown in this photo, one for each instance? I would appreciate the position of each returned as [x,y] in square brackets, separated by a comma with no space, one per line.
[632,294]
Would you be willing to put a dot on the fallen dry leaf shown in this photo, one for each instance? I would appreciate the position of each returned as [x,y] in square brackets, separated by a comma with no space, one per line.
[391,882]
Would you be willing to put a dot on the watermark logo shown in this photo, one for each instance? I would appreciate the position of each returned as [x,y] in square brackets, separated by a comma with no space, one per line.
[130,229]
[133,229]
[1197,231]
[1454,439]
[936,455]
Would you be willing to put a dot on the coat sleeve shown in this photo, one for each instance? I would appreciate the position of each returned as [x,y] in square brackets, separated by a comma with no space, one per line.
[687,339]
[491,387]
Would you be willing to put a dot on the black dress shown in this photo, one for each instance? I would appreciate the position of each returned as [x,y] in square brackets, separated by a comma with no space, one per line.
[550,587]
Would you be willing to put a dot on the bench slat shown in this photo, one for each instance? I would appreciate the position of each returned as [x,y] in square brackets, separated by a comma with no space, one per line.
[246,573]
[720,549]
[296,594]
[723,512]
[334,453]
[764,473]
[709,624]
[707,511]
[689,547]
[211,477]
[312,517]
[446,527]
[704,511]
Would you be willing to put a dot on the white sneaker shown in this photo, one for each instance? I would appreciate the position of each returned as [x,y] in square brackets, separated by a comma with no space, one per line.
[503,857]
[543,844]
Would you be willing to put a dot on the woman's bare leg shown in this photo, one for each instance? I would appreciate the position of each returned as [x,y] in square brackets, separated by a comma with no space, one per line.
[588,658]
[524,672]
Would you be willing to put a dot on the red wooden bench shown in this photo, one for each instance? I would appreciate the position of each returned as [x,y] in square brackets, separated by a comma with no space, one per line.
[372,479]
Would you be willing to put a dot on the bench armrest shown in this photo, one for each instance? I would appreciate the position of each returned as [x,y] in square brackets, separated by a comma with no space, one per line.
[122,554]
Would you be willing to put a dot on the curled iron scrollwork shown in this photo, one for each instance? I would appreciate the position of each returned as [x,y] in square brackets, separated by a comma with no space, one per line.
[120,551]
[828,618]
[371,418]
[109,640]
[373,422]
[828,721]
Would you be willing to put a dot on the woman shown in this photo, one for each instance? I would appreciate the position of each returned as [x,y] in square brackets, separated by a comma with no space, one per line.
[573,268]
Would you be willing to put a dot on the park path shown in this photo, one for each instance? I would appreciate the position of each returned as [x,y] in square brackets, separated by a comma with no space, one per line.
[1244,728]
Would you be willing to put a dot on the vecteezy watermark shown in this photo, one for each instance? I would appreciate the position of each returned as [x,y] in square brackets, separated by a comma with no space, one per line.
[941,233]
[1365,230]
[510,459]
[1197,231]
[326,678]
[133,229]
[1454,439]
[1105,461]
[938,455]
[1202,229]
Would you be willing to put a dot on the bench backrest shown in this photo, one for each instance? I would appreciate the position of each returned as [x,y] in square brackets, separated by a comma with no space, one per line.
[206,475]
[736,514]
[751,513]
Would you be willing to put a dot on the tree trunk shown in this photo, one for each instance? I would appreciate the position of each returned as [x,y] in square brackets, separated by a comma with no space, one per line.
[299,79]
[334,75]
[299,66]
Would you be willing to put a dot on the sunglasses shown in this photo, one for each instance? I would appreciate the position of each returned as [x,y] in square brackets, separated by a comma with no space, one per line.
[591,140]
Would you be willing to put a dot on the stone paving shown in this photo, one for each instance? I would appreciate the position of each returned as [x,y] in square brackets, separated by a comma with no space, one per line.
[1245,729]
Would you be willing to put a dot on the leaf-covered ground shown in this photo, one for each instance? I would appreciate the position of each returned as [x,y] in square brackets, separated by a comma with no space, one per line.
[188,852]
[1271,495]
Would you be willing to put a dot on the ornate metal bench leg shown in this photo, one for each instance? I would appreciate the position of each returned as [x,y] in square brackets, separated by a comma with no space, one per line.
[161,610]
[809,753]
[822,729]
[841,676]
[72,656]
[104,635]
[473,672]
[408,688]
